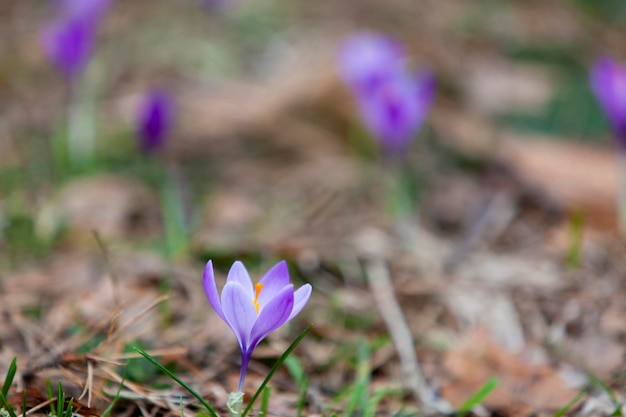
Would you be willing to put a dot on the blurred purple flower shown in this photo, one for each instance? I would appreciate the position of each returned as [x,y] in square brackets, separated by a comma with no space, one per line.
[254,311]
[154,120]
[68,43]
[392,101]
[367,59]
[68,40]
[608,82]
[395,112]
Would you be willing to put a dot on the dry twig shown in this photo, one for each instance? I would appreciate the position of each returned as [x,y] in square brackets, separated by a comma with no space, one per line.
[382,289]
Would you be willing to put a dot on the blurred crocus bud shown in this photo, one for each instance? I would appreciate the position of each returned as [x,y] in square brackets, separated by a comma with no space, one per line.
[68,43]
[154,120]
[608,82]
[367,59]
[396,110]
[68,40]
[393,102]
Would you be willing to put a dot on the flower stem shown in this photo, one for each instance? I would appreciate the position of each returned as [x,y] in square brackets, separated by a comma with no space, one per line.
[235,404]
[80,134]
[245,359]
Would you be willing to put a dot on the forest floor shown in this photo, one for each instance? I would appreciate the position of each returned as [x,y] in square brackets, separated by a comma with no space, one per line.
[509,267]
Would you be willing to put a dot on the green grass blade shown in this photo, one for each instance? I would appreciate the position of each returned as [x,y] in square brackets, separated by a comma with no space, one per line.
[176,234]
[479,396]
[60,399]
[169,373]
[108,410]
[24,403]
[265,401]
[576,226]
[280,360]
[303,391]
[376,398]
[6,405]
[561,411]
[295,369]
[598,383]
[69,411]
[8,381]
[53,407]
[358,398]
[302,382]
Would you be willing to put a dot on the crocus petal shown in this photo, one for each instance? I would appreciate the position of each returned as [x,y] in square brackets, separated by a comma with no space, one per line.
[602,85]
[426,85]
[387,113]
[274,280]
[300,298]
[395,112]
[239,273]
[367,59]
[68,43]
[210,288]
[274,315]
[608,82]
[239,312]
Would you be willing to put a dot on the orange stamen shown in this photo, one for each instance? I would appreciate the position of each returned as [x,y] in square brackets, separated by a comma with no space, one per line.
[257,291]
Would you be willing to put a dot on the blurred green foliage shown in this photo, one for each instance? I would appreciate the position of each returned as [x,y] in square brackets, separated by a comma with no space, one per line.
[572,113]
[613,11]
[140,371]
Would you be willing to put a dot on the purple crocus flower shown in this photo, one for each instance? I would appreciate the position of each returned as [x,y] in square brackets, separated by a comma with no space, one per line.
[395,112]
[393,102]
[154,120]
[608,82]
[367,59]
[68,43]
[254,311]
[68,40]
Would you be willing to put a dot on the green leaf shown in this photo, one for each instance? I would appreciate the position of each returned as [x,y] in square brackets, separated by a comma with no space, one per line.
[60,399]
[358,399]
[376,397]
[265,400]
[561,411]
[577,226]
[169,373]
[297,373]
[280,360]
[69,412]
[8,381]
[598,383]
[50,396]
[295,369]
[6,405]
[108,410]
[479,396]
[176,233]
